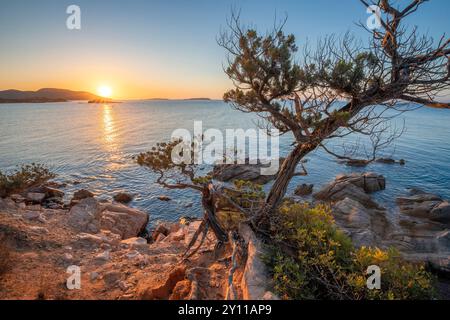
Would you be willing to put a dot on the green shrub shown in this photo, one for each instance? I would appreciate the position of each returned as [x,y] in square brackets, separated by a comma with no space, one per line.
[315,260]
[24,177]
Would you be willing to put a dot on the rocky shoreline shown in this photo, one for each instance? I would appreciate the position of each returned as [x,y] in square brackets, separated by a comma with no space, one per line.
[420,230]
[120,259]
[117,259]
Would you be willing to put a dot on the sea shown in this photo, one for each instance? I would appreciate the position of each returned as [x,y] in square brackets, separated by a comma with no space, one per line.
[93,146]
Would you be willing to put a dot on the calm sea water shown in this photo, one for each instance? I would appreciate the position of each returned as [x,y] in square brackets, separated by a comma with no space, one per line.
[95,144]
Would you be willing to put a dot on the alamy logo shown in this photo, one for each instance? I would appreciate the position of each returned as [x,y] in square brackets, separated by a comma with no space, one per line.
[74,280]
[73,22]
[374,21]
[374,280]
[210,147]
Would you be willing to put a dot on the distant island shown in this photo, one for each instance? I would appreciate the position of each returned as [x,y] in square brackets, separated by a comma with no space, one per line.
[45,95]
[186,99]
[103,101]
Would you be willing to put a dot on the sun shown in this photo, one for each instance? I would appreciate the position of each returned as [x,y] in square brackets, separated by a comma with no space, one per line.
[104,91]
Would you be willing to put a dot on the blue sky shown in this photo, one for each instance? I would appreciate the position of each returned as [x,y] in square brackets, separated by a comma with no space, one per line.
[158,48]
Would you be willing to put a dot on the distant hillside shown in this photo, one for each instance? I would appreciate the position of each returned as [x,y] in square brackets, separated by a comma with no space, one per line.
[45,95]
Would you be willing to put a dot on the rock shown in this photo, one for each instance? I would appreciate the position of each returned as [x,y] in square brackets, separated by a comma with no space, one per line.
[32,215]
[161,288]
[35,207]
[357,163]
[441,213]
[248,172]
[443,240]
[419,209]
[67,257]
[17,198]
[82,194]
[255,278]
[132,254]
[160,229]
[369,182]
[164,198]
[344,189]
[353,212]
[175,236]
[355,220]
[102,258]
[160,237]
[53,192]
[35,197]
[123,197]
[91,216]
[123,285]
[124,221]
[304,189]
[425,205]
[85,216]
[39,230]
[386,160]
[93,275]
[135,243]
[181,290]
[88,240]
[418,197]
[111,278]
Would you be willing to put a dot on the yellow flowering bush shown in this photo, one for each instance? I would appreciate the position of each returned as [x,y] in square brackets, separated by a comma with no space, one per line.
[314,260]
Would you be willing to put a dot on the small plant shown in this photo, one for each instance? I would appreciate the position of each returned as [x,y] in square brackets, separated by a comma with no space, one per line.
[320,262]
[24,177]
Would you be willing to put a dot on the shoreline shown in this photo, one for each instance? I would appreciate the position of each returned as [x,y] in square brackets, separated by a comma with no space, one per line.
[121,261]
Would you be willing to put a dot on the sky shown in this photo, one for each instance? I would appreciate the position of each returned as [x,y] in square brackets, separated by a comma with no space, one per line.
[158,48]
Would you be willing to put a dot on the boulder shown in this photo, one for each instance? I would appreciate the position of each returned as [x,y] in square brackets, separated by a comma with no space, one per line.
[161,288]
[369,182]
[82,194]
[353,212]
[85,216]
[249,172]
[339,190]
[35,197]
[123,197]
[441,213]
[91,216]
[425,205]
[126,222]
[418,197]
[304,189]
[355,220]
